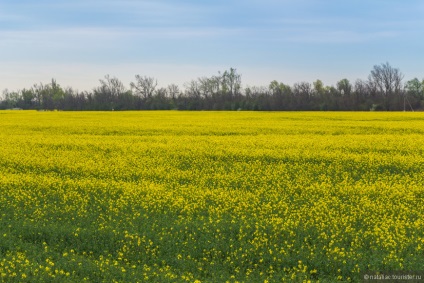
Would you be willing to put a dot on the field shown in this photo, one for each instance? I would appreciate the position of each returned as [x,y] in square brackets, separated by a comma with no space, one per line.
[209,196]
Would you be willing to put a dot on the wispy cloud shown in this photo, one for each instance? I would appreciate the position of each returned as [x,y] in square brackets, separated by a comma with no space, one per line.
[10,17]
[110,13]
[60,36]
[340,37]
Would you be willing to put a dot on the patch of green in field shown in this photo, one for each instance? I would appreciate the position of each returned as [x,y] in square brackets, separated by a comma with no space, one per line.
[209,196]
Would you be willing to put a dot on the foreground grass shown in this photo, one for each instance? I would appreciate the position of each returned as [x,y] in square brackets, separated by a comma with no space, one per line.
[209,196]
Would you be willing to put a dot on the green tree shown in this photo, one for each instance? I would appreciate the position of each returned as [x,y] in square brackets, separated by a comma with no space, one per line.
[415,88]
[57,94]
[28,98]
[344,87]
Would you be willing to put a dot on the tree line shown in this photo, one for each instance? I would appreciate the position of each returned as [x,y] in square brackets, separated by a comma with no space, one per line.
[384,90]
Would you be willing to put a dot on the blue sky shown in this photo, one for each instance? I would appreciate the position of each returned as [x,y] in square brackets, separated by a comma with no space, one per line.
[78,42]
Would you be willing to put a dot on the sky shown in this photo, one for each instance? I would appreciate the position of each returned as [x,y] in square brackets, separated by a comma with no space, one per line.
[79,42]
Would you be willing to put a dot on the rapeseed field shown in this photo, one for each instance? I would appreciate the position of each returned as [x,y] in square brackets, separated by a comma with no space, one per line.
[209,196]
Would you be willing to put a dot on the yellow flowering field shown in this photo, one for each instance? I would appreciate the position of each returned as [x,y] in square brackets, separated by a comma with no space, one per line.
[209,196]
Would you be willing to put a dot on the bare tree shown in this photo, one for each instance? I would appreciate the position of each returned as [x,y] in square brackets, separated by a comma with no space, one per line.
[386,81]
[173,91]
[206,86]
[303,89]
[161,93]
[112,85]
[144,86]
[303,93]
[193,89]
